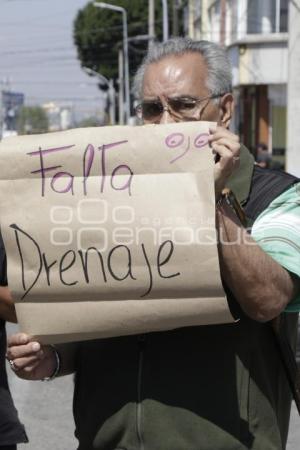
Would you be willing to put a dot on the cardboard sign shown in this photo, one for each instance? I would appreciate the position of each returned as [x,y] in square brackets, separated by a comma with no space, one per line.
[111,231]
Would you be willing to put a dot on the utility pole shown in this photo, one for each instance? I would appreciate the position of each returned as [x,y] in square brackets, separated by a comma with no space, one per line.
[123,11]
[4,85]
[151,22]
[1,112]
[293,90]
[112,102]
[165,20]
[175,28]
[121,87]
[223,23]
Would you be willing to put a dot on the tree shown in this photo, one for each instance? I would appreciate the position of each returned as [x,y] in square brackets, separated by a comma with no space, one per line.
[89,122]
[32,120]
[98,34]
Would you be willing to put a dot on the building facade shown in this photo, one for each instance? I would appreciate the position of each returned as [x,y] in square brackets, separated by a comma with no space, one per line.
[255,33]
[60,117]
[10,105]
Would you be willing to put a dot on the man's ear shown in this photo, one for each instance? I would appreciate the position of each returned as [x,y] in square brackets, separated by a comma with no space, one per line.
[226,108]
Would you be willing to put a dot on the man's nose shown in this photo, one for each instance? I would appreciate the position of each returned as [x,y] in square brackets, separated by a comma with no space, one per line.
[166,117]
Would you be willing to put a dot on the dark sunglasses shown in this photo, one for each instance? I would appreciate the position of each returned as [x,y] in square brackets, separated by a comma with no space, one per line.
[181,107]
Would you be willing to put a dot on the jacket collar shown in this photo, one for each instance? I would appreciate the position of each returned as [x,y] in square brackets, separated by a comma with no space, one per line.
[240,181]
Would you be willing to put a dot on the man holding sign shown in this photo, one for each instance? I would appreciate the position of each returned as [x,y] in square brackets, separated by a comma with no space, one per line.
[210,387]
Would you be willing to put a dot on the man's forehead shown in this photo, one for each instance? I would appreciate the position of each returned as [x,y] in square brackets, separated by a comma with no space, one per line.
[186,61]
[180,71]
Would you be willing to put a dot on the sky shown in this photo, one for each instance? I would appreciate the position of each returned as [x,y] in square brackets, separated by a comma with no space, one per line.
[38,57]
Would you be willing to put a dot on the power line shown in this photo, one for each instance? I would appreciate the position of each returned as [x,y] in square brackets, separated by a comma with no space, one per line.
[39,50]
[57,98]
[55,83]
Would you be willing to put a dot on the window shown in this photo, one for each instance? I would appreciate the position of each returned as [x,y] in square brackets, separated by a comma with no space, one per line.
[283,16]
[215,20]
[268,16]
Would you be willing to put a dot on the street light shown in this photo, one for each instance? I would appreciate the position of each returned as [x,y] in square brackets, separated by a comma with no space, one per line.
[125,50]
[111,92]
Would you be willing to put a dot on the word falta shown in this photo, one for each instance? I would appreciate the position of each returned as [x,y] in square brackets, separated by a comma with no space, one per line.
[62,182]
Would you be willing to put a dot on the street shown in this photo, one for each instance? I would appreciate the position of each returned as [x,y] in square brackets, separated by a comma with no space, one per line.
[294,433]
[46,410]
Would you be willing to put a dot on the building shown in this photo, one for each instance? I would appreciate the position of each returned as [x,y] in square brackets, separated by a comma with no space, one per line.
[255,33]
[60,117]
[10,104]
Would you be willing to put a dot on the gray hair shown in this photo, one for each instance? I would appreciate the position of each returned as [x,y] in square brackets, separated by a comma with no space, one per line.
[219,79]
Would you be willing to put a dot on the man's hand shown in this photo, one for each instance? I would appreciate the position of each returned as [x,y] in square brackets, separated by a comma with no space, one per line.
[226,145]
[29,359]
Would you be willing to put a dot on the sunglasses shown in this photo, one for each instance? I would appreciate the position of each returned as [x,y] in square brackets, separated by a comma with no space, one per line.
[179,107]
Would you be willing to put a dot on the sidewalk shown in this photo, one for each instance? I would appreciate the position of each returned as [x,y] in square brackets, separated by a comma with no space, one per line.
[294,433]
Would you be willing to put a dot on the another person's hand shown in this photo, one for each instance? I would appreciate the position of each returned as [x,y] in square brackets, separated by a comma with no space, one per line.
[226,146]
[29,359]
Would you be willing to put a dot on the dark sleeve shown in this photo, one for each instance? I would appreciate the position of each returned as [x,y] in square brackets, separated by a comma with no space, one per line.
[3,271]
[11,430]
